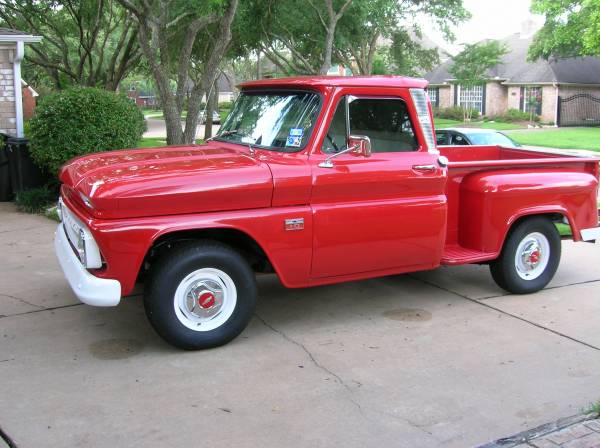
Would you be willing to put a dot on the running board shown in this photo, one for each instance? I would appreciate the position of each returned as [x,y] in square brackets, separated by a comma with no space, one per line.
[456,254]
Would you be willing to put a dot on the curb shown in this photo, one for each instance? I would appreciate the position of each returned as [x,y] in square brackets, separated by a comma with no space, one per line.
[539,431]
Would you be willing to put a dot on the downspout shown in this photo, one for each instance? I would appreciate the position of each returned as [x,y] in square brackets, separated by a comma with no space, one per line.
[555,85]
[17,83]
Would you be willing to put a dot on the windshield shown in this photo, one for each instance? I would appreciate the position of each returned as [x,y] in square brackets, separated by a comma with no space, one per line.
[491,138]
[280,121]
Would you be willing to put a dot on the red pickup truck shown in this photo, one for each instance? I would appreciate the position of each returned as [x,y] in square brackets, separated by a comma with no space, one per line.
[320,180]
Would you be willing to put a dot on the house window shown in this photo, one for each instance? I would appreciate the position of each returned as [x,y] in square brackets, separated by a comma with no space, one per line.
[434,96]
[531,100]
[471,97]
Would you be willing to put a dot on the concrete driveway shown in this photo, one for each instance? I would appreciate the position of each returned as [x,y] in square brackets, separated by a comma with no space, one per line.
[441,358]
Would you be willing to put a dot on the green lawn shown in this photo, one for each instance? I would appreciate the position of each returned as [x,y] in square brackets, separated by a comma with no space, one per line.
[441,123]
[159,115]
[150,142]
[564,138]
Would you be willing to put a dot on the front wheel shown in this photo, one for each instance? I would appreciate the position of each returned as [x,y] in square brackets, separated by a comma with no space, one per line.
[529,258]
[200,295]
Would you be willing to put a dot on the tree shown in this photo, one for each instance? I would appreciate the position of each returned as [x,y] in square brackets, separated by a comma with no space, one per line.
[86,43]
[572,28]
[289,37]
[471,65]
[350,33]
[372,25]
[184,40]
[409,57]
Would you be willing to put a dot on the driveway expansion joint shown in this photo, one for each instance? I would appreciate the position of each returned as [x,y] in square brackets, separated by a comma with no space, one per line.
[7,439]
[506,313]
[339,380]
[23,301]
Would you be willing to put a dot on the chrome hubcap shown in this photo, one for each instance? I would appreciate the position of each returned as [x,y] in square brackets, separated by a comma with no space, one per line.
[533,254]
[205,299]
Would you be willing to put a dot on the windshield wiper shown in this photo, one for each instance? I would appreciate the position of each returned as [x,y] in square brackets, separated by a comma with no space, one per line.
[228,133]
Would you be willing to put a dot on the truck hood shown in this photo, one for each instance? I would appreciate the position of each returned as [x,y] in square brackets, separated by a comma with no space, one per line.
[167,181]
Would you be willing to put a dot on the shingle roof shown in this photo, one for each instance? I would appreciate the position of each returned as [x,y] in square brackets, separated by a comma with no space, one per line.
[515,69]
[12,32]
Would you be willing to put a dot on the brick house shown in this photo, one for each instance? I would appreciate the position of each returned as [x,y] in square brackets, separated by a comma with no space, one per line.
[545,86]
[12,47]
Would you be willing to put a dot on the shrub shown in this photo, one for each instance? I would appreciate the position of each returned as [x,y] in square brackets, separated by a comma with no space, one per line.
[515,115]
[454,113]
[34,200]
[225,104]
[80,121]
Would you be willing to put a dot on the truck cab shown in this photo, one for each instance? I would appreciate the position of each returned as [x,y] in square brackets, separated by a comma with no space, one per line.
[319,180]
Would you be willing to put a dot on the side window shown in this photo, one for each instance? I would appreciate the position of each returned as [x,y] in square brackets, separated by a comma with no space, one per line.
[459,140]
[443,138]
[335,140]
[385,121]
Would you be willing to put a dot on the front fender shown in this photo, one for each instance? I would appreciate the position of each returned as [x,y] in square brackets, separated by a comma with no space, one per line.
[492,201]
[125,243]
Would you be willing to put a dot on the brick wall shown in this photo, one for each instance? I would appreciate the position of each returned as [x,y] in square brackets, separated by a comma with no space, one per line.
[495,99]
[446,94]
[548,105]
[8,121]
[514,97]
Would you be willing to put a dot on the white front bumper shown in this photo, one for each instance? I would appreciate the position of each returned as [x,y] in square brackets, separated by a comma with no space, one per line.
[88,288]
[590,234]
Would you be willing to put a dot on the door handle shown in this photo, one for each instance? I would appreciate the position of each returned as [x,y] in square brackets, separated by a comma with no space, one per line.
[424,168]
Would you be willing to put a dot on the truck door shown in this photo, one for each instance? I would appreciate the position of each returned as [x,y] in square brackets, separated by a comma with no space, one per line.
[378,213]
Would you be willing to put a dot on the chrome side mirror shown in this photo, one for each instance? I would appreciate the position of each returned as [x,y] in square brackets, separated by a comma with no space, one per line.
[362,143]
[358,145]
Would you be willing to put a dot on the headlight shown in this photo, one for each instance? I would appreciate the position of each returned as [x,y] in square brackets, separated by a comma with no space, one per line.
[84,245]
[59,210]
[81,247]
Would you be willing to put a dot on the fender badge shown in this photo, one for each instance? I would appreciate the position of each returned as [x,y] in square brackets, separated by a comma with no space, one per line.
[294,224]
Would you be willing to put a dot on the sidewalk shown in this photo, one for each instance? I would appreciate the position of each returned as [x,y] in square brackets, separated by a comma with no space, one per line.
[582,431]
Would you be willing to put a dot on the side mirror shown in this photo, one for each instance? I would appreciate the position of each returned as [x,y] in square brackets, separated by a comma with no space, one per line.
[358,145]
[361,145]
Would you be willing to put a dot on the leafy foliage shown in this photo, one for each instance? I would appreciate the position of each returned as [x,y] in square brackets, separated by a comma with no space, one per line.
[516,115]
[293,33]
[34,200]
[81,121]
[572,28]
[85,43]
[471,65]
[453,113]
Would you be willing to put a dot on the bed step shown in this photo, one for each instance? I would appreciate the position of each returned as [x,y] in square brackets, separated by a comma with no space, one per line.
[455,254]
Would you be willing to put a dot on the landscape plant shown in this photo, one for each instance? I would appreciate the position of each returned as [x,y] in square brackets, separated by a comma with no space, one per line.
[80,121]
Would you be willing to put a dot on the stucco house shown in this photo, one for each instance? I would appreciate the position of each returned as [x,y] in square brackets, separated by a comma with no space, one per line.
[563,91]
[12,48]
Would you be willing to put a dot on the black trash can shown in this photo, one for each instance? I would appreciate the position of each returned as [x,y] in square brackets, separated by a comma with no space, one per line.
[24,174]
[6,193]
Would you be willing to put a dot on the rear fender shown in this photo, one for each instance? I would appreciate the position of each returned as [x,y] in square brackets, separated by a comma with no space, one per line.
[492,201]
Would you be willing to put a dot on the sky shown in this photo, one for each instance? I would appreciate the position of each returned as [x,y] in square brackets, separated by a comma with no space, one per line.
[491,19]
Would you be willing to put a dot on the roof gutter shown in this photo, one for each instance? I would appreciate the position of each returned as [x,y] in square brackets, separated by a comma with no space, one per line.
[20,38]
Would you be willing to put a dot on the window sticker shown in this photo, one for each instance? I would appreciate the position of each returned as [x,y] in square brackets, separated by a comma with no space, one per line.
[295,137]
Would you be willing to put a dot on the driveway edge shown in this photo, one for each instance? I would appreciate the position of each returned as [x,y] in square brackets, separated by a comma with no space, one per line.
[529,435]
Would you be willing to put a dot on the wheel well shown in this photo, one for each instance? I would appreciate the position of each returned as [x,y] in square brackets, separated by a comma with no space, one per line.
[236,239]
[556,218]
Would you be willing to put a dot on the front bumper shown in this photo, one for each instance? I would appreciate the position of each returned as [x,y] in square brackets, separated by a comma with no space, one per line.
[87,287]
[592,234]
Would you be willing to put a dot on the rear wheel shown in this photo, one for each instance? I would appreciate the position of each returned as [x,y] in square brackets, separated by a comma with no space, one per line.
[529,258]
[200,295]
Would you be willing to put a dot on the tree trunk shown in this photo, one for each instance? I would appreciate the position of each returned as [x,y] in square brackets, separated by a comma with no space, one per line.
[211,106]
[328,49]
